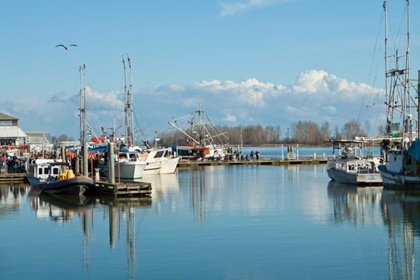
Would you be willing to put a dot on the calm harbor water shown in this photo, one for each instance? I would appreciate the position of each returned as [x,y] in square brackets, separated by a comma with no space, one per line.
[281,152]
[215,222]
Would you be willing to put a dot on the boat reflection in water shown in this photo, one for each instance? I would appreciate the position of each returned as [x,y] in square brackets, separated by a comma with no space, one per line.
[62,207]
[120,212]
[398,210]
[401,213]
[359,205]
[162,184]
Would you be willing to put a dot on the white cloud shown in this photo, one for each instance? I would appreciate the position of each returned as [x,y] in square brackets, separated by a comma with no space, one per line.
[229,118]
[229,9]
[330,109]
[316,95]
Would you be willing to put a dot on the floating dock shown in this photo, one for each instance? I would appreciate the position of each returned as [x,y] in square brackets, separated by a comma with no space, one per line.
[194,163]
[12,177]
[126,188]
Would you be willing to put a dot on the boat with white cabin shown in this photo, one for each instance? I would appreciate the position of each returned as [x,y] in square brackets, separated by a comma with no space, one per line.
[349,166]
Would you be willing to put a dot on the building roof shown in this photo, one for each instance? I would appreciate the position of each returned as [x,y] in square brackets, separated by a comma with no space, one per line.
[39,137]
[11,132]
[4,117]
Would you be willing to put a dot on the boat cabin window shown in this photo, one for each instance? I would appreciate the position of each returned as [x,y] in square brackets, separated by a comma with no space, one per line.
[55,171]
[159,154]
[133,156]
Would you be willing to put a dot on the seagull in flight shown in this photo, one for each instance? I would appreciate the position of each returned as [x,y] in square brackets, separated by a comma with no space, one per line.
[65,47]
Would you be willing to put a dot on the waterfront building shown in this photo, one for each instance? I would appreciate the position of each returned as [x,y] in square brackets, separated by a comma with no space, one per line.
[10,132]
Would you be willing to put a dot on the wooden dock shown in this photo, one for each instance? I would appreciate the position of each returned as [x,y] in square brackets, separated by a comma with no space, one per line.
[194,163]
[126,188]
[12,177]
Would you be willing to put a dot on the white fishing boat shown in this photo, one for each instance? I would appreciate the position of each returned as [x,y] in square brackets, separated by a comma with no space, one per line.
[132,161]
[402,161]
[156,161]
[350,166]
[159,161]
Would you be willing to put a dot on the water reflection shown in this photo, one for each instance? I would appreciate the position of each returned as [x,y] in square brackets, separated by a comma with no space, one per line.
[401,212]
[10,198]
[119,211]
[358,205]
[60,208]
[163,187]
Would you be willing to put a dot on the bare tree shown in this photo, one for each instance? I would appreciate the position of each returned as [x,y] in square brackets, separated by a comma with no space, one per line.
[352,129]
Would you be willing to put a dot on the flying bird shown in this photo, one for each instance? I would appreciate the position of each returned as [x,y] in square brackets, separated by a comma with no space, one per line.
[65,47]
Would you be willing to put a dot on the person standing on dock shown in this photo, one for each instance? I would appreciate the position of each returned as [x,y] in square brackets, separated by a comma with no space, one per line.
[257,155]
[252,154]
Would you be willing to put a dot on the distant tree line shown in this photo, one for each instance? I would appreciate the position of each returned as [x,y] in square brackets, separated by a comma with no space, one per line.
[62,137]
[302,132]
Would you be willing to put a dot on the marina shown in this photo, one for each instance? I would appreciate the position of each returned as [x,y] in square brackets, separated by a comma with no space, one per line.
[269,222]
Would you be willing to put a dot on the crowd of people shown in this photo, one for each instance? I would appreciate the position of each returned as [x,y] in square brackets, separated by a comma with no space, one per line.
[12,163]
[238,155]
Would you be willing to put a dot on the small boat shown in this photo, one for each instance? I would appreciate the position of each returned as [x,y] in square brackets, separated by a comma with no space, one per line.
[55,177]
[348,168]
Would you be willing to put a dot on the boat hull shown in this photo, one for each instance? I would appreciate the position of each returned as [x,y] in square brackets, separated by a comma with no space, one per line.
[72,186]
[393,180]
[129,169]
[162,166]
[343,177]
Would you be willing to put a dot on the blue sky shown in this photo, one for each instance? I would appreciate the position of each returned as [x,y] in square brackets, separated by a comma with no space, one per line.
[268,62]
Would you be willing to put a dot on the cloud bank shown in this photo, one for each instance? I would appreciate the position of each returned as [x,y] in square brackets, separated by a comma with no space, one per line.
[315,96]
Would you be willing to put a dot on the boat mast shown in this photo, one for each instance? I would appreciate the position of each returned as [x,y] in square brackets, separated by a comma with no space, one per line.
[82,109]
[407,77]
[128,110]
[125,103]
[387,94]
[130,106]
[418,104]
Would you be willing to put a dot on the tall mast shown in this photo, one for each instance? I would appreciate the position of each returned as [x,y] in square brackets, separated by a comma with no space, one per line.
[82,109]
[418,104]
[125,104]
[407,76]
[387,95]
[130,106]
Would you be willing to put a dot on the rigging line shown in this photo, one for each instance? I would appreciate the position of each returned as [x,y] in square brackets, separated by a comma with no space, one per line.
[400,30]
[380,28]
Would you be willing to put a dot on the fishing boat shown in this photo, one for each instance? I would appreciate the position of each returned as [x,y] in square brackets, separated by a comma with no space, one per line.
[159,161]
[350,166]
[56,177]
[402,159]
[131,160]
[204,139]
